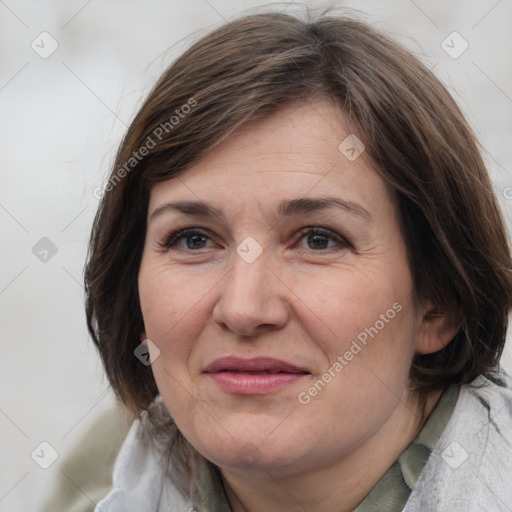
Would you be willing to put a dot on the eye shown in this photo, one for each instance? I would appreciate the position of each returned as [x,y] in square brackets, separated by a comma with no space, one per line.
[317,239]
[187,239]
[320,239]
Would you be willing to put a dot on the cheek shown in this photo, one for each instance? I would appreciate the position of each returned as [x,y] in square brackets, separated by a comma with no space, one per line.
[173,305]
[352,305]
[366,334]
[174,309]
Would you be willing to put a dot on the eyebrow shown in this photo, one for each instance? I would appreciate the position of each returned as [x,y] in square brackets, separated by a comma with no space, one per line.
[287,208]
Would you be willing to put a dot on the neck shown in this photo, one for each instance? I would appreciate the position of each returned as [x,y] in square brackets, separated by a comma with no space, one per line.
[340,486]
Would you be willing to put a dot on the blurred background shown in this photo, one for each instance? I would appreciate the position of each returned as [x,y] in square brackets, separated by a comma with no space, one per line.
[72,76]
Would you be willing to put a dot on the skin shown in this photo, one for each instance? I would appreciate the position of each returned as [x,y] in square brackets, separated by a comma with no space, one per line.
[302,300]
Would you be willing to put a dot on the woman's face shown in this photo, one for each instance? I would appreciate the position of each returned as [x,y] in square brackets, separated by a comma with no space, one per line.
[284,316]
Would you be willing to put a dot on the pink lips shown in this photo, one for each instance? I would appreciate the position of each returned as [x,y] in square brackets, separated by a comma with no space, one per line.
[259,375]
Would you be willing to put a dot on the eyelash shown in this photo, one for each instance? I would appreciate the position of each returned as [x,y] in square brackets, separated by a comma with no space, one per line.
[172,238]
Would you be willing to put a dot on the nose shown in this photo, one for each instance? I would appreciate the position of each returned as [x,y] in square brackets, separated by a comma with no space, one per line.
[252,299]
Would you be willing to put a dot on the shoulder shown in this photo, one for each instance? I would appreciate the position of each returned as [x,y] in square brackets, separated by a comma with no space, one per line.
[470,468]
[85,476]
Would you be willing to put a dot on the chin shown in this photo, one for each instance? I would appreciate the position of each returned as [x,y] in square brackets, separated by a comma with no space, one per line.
[250,452]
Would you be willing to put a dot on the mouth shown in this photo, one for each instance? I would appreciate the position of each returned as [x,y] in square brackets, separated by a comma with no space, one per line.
[259,375]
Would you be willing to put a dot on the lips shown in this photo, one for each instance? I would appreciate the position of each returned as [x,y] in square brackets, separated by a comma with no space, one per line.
[255,376]
[258,365]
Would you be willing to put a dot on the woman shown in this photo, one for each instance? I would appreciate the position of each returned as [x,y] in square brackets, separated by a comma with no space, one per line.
[299,282]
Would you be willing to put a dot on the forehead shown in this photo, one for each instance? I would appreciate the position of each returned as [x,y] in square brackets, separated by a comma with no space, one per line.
[292,153]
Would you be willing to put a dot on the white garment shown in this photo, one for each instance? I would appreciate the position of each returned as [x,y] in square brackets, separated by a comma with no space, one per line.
[139,481]
[481,428]
[470,469]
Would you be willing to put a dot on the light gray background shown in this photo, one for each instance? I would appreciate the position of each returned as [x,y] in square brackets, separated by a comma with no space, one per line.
[61,121]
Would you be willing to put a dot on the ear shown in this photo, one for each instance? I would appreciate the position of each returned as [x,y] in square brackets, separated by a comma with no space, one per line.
[143,336]
[435,332]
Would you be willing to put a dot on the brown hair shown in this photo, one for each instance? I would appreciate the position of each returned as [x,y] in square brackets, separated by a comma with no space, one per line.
[413,131]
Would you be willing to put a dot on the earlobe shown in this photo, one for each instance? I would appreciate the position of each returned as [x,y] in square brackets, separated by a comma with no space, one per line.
[436,331]
[143,336]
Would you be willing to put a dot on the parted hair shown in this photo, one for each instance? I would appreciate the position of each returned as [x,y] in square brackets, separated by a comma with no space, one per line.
[415,136]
